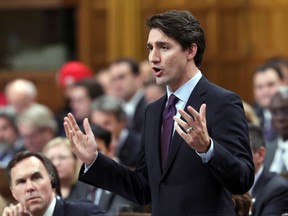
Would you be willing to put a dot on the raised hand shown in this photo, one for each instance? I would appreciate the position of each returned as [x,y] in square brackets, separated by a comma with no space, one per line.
[83,145]
[15,210]
[195,134]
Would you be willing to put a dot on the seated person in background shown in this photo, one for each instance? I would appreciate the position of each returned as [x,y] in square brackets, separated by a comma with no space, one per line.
[242,204]
[250,114]
[108,201]
[37,125]
[32,183]
[68,74]
[127,85]
[266,79]
[82,93]
[103,138]
[59,151]
[103,76]
[21,94]
[270,190]
[10,142]
[277,151]
[153,91]
[107,112]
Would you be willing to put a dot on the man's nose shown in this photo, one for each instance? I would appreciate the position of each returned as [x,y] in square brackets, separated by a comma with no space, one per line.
[29,186]
[154,56]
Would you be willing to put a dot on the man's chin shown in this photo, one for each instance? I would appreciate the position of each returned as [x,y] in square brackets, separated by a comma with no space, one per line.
[161,81]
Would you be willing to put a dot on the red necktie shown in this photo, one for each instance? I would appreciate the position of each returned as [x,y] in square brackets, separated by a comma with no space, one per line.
[167,128]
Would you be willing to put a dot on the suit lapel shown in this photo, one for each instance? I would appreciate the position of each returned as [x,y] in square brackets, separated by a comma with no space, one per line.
[262,181]
[59,209]
[195,100]
[270,152]
[157,116]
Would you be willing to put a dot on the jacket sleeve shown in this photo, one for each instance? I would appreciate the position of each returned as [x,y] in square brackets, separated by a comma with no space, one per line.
[232,161]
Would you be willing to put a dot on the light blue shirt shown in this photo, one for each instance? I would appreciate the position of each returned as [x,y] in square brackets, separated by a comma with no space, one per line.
[183,93]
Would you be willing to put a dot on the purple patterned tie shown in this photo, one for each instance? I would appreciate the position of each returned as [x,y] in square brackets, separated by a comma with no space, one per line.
[167,128]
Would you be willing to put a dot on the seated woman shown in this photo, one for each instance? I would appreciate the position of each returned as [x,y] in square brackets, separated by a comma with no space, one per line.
[59,151]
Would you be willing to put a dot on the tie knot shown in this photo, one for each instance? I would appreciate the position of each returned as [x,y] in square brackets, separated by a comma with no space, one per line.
[172,100]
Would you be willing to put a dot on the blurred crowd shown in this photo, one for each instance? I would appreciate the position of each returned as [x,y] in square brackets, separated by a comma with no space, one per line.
[114,100]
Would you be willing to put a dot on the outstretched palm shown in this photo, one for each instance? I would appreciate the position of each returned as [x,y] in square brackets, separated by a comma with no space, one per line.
[83,145]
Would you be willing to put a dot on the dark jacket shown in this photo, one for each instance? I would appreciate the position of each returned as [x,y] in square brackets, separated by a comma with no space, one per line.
[270,195]
[76,208]
[187,186]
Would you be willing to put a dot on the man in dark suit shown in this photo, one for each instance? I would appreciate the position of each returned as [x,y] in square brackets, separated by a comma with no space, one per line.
[277,152]
[266,79]
[107,112]
[270,190]
[126,82]
[209,157]
[32,181]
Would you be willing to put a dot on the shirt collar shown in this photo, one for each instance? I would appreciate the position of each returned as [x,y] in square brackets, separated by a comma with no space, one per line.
[130,106]
[50,210]
[256,178]
[184,91]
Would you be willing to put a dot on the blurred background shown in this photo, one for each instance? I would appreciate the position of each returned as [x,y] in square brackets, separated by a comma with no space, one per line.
[38,36]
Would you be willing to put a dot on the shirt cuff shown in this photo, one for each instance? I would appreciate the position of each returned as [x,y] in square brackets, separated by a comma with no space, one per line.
[87,167]
[206,157]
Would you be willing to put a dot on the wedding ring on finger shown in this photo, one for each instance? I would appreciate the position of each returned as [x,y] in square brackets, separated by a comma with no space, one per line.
[189,130]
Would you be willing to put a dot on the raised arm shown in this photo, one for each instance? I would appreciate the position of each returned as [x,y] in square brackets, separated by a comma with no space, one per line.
[83,145]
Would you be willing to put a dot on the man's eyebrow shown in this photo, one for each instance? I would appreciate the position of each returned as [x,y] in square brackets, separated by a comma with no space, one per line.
[19,180]
[37,173]
[158,43]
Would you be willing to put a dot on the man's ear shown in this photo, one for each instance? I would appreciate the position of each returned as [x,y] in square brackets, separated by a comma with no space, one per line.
[261,153]
[191,51]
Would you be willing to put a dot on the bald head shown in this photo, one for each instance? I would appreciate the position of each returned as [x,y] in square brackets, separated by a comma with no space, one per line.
[20,94]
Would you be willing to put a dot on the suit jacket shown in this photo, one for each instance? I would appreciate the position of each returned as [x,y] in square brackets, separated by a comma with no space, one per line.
[128,153]
[112,203]
[187,185]
[271,148]
[76,208]
[79,190]
[269,133]
[136,123]
[271,195]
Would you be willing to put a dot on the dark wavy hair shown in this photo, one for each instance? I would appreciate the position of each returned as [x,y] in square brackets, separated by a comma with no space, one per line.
[51,169]
[183,27]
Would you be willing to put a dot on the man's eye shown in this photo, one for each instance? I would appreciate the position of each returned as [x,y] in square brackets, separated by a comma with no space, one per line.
[20,182]
[164,48]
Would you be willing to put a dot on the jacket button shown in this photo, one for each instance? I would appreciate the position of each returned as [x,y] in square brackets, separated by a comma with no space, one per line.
[162,185]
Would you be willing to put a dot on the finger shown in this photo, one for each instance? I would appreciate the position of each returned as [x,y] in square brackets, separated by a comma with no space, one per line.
[17,210]
[194,113]
[25,210]
[68,130]
[180,131]
[180,122]
[20,209]
[203,113]
[72,122]
[7,211]
[87,128]
[189,119]
[66,127]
